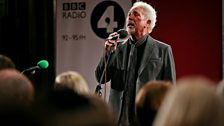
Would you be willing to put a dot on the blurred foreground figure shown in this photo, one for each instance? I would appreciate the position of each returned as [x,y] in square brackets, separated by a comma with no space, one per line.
[15,89]
[220,88]
[193,102]
[149,99]
[64,107]
[6,63]
[16,98]
[72,80]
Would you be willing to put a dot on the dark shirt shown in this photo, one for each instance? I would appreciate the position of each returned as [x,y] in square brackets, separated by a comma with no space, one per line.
[135,49]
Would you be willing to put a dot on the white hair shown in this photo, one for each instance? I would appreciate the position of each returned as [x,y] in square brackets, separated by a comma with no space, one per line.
[149,13]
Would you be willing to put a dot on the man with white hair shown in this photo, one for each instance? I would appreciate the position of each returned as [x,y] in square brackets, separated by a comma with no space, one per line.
[136,61]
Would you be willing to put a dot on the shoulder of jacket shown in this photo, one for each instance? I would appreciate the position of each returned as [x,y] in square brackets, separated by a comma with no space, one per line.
[160,43]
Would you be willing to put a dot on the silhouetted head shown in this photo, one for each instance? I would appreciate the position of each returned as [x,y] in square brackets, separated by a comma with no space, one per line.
[6,63]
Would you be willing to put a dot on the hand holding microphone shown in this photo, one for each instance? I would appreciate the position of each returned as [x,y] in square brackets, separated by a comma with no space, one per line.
[111,44]
[113,39]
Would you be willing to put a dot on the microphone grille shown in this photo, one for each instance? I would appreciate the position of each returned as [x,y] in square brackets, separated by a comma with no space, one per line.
[43,64]
[123,33]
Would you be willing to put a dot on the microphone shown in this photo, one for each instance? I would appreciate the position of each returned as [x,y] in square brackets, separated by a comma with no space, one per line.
[43,64]
[121,34]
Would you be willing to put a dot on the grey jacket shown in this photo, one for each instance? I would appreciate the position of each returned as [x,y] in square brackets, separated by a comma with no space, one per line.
[157,64]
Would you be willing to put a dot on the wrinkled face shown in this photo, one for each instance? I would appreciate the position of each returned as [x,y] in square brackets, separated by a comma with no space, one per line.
[136,21]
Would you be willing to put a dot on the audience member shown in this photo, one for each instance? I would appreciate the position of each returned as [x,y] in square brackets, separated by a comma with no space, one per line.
[68,108]
[72,80]
[16,98]
[220,87]
[15,89]
[148,101]
[193,102]
[6,62]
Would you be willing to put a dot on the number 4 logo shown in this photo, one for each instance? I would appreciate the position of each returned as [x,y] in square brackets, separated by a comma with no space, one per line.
[107,20]
[107,17]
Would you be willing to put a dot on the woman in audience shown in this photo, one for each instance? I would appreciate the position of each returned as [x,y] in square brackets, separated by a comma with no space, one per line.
[148,101]
[193,102]
[72,80]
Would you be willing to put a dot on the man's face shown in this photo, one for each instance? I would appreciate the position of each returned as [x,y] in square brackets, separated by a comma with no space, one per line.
[136,21]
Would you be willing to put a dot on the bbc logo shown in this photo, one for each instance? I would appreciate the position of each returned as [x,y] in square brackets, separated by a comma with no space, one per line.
[74,6]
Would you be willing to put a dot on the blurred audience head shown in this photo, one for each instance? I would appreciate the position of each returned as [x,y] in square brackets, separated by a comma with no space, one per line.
[72,80]
[68,108]
[193,102]
[6,63]
[15,89]
[220,87]
[148,100]
[16,98]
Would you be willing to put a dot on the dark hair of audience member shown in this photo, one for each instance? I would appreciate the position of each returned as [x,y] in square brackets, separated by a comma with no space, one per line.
[6,63]
[148,101]
[66,107]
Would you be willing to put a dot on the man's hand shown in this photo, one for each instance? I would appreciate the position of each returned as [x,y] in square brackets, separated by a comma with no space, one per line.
[111,45]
